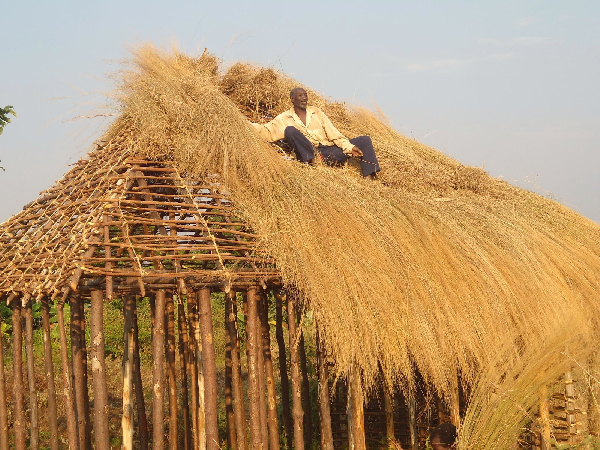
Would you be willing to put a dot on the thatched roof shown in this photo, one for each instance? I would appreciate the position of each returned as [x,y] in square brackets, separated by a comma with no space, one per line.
[438,267]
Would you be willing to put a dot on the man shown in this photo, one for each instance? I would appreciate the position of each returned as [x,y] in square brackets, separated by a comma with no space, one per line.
[307,128]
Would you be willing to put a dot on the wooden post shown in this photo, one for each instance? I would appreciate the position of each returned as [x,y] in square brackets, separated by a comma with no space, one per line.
[545,420]
[389,413]
[158,372]
[283,374]
[253,388]
[67,386]
[200,377]
[294,342]
[49,365]
[183,364]
[34,429]
[138,386]
[455,401]
[324,409]
[570,406]
[236,375]
[229,410]
[356,417]
[209,364]
[79,384]
[412,420]
[128,350]
[270,377]
[20,421]
[101,436]
[3,410]
[260,365]
[308,427]
[171,371]
[192,366]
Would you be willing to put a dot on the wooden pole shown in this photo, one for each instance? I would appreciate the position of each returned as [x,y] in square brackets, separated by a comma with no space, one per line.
[229,410]
[19,423]
[256,441]
[79,385]
[138,386]
[283,374]
[308,427]
[66,375]
[183,364]
[128,351]
[570,406]
[200,378]
[388,407]
[49,365]
[158,372]
[545,420]
[209,364]
[3,407]
[34,428]
[101,434]
[356,417]
[171,371]
[412,420]
[270,377]
[324,409]
[260,358]
[297,411]
[236,375]
[192,366]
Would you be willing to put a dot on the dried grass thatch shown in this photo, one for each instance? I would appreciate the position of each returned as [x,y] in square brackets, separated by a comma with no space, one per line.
[437,268]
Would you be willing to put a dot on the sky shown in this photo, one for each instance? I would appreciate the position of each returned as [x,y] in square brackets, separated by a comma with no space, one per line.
[510,86]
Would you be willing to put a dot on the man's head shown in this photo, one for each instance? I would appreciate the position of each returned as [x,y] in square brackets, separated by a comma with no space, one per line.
[299,98]
[443,437]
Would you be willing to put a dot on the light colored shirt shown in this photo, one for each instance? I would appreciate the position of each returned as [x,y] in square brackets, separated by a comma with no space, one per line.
[318,129]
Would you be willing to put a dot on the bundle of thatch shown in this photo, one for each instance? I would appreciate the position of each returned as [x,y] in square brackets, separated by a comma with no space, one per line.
[437,268]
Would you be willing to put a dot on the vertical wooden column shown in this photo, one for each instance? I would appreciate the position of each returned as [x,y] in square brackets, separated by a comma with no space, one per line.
[3,410]
[306,405]
[77,361]
[388,407]
[137,384]
[183,364]
[158,371]
[544,420]
[356,417]
[283,374]
[49,366]
[260,357]
[324,409]
[270,377]
[171,371]
[192,367]
[570,406]
[229,396]
[253,381]
[209,363]
[19,412]
[34,429]
[128,350]
[412,419]
[69,400]
[198,355]
[294,343]
[101,436]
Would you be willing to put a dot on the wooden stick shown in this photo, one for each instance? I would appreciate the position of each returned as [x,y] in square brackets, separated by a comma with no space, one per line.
[308,427]
[210,370]
[283,374]
[158,372]
[128,351]
[271,394]
[229,409]
[101,434]
[193,367]
[253,388]
[49,365]
[3,407]
[200,378]
[34,429]
[389,413]
[79,385]
[260,365]
[356,419]
[67,386]
[138,386]
[412,419]
[324,409]
[183,364]
[19,412]
[171,371]
[294,342]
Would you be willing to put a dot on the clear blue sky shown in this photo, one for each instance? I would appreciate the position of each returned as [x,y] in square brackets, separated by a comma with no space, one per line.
[507,85]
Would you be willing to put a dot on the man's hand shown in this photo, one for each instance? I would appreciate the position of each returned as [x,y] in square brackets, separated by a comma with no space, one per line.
[357,152]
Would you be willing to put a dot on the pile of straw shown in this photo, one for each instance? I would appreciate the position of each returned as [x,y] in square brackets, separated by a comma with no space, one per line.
[437,267]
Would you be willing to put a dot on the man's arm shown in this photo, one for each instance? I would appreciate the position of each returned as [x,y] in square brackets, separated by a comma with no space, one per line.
[336,137]
[271,131]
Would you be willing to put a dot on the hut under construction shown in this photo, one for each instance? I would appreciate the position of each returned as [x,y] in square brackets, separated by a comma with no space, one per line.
[436,293]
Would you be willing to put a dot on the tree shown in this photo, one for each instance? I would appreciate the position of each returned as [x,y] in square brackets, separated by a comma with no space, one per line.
[4,119]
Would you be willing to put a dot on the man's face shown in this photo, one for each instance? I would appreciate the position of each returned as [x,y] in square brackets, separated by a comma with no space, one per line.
[300,99]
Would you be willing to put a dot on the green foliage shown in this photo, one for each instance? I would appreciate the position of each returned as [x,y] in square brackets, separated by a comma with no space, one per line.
[4,119]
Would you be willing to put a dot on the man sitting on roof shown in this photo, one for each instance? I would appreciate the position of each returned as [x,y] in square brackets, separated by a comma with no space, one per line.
[307,127]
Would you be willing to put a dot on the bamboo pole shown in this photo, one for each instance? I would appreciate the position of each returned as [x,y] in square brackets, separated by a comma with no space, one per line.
[128,350]
[101,434]
[158,373]
[183,364]
[171,371]
[3,407]
[209,363]
[192,366]
[256,441]
[294,342]
[324,409]
[138,386]
[34,427]
[270,377]
[356,418]
[308,426]
[283,374]
[49,365]
[79,385]
[236,375]
[19,412]
[260,365]
[67,381]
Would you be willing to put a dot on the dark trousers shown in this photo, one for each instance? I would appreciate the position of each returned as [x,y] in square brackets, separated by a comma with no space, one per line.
[333,155]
